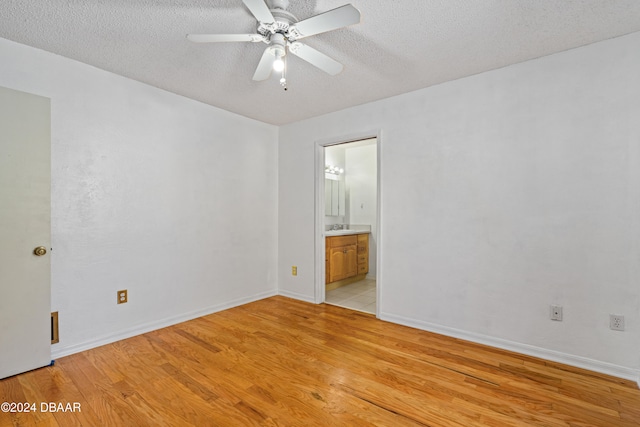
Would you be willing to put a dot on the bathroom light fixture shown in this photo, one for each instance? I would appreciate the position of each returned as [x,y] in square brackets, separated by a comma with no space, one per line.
[335,170]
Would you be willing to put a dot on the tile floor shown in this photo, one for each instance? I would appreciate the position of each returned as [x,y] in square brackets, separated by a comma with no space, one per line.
[359,296]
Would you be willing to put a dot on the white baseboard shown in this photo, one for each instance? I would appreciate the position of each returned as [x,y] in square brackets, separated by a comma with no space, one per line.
[297,296]
[529,350]
[152,326]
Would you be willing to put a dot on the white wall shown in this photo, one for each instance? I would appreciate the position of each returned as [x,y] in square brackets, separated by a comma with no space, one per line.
[361,180]
[169,198]
[502,193]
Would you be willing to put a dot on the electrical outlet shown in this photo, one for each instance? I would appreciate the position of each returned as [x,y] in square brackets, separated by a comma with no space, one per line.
[555,313]
[616,322]
[294,270]
[122,296]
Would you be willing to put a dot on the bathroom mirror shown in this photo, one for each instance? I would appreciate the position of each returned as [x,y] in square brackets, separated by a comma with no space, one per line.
[333,198]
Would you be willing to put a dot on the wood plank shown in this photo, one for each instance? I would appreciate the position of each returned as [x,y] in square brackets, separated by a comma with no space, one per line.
[280,362]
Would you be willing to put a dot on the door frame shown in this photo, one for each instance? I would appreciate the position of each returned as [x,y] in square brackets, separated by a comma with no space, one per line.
[319,287]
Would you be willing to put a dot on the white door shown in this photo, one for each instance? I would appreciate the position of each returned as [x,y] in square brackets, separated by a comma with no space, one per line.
[25,224]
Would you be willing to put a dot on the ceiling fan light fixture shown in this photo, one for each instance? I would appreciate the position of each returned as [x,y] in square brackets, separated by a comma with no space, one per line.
[281,30]
[278,64]
[279,51]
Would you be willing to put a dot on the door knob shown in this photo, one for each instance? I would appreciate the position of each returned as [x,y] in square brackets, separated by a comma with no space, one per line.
[40,250]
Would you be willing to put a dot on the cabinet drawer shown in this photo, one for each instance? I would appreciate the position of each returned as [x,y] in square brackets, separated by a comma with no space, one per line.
[336,241]
[363,268]
[363,259]
[363,244]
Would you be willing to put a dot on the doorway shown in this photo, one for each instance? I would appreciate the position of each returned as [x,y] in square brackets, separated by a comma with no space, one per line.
[349,224]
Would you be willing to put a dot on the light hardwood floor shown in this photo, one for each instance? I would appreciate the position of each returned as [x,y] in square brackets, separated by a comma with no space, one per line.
[283,362]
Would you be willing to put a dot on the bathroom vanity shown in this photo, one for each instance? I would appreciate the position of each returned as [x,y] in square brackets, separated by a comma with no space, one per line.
[347,257]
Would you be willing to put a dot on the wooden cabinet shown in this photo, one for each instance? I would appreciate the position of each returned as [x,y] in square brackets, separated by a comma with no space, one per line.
[341,254]
[363,253]
[343,262]
[346,257]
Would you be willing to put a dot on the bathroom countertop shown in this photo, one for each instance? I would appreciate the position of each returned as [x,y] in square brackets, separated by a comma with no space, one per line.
[330,233]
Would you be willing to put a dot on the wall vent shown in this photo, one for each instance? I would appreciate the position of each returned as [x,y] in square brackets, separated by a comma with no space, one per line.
[54,328]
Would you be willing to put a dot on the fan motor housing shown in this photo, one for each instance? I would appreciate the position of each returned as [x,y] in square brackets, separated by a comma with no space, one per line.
[283,21]
[278,42]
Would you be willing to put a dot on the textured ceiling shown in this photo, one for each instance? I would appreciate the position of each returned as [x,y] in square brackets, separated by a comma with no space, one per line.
[399,46]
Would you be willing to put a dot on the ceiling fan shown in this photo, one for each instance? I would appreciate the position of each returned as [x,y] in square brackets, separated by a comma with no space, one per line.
[281,31]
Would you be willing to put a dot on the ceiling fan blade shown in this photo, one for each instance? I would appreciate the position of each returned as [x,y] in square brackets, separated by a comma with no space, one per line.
[316,58]
[337,18]
[214,38]
[260,10]
[264,66]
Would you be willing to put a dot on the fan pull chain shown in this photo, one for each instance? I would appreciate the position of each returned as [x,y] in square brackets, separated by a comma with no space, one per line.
[283,79]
